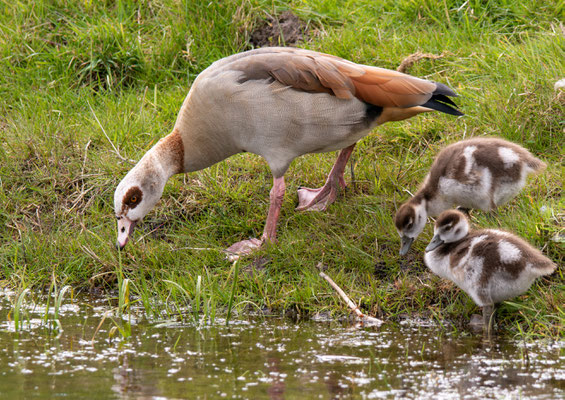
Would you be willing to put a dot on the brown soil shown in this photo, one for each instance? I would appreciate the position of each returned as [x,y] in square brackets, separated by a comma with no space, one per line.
[281,30]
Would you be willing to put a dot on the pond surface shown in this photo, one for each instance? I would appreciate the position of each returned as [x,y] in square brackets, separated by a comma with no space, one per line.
[266,358]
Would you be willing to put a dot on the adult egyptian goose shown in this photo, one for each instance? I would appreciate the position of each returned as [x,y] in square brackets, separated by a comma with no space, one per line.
[480,173]
[489,265]
[279,103]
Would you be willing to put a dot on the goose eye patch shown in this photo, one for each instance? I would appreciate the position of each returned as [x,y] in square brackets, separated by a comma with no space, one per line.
[133,197]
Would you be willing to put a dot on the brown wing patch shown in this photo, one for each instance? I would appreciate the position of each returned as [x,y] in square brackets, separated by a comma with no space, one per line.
[456,253]
[132,198]
[317,72]
[532,255]
[392,89]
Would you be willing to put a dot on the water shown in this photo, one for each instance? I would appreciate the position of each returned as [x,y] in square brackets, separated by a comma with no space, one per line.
[267,358]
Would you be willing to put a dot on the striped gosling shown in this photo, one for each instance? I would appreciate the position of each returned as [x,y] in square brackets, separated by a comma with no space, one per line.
[480,173]
[489,265]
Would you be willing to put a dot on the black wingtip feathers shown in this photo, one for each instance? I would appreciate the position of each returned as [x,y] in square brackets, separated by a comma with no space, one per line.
[441,102]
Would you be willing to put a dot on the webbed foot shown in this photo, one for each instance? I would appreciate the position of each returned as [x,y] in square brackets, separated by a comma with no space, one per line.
[243,248]
[320,199]
[316,199]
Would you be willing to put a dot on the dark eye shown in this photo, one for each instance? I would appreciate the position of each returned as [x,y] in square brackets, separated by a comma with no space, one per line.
[123,229]
[133,199]
[448,228]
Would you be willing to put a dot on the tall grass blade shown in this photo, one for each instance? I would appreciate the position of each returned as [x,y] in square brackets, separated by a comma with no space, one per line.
[233,288]
[18,309]
[59,299]
[123,299]
[196,301]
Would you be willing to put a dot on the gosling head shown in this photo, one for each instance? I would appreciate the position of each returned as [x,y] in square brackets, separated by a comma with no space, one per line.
[451,226]
[410,221]
[135,196]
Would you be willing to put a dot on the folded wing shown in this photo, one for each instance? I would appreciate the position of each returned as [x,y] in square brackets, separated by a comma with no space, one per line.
[316,72]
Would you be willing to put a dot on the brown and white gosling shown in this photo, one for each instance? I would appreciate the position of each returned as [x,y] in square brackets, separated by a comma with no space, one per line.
[279,103]
[489,265]
[480,173]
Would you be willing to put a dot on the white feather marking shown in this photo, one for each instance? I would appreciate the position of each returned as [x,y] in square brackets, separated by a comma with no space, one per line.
[497,232]
[474,194]
[471,281]
[468,154]
[509,157]
[508,252]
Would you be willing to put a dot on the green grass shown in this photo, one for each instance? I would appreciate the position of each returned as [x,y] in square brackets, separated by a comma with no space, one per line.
[74,72]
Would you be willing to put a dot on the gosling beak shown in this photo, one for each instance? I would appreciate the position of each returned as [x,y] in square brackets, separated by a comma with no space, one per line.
[125,229]
[436,242]
[406,243]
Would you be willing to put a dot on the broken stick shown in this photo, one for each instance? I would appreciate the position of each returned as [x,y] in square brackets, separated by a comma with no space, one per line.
[414,58]
[364,318]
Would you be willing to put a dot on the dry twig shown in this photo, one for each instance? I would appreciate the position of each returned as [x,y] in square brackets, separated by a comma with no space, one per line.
[364,318]
[414,58]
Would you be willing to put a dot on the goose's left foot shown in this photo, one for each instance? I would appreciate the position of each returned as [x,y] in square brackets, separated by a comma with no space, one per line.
[316,199]
[319,199]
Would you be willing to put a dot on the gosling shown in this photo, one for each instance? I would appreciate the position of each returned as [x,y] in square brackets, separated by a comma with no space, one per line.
[489,265]
[480,173]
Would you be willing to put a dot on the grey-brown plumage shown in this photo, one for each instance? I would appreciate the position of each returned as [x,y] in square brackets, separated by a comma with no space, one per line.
[279,103]
[489,265]
[480,173]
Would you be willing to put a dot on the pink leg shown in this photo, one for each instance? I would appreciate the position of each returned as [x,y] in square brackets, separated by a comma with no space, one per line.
[319,199]
[270,232]
[276,199]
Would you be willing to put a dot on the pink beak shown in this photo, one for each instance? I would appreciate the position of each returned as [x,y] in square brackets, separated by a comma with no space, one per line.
[125,229]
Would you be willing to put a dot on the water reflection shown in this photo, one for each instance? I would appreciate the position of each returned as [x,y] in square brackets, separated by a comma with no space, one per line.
[270,358]
[131,382]
[276,390]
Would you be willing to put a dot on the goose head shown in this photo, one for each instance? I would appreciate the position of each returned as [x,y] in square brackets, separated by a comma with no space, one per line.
[410,221]
[451,226]
[134,197]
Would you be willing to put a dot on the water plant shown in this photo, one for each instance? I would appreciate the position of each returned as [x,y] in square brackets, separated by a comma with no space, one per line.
[235,268]
[19,309]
